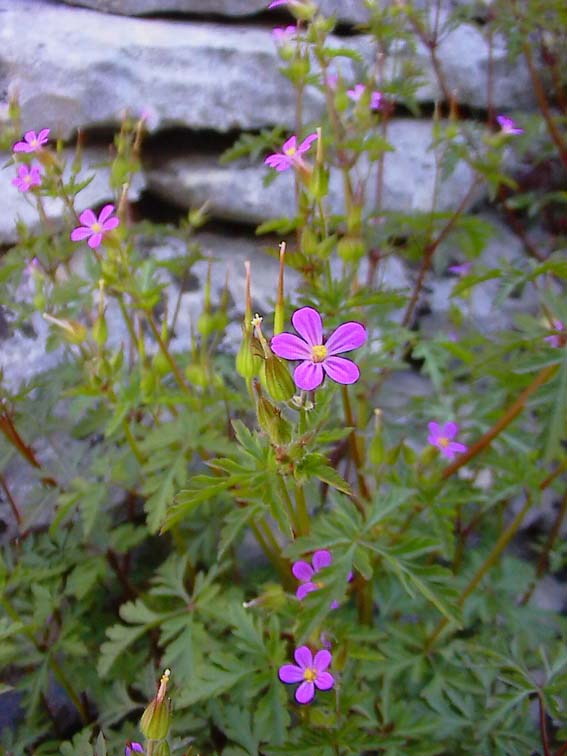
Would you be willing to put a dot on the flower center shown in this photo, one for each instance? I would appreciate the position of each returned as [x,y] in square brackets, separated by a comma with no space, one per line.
[319,352]
[27,178]
[443,441]
[34,143]
[310,674]
[290,151]
[96,227]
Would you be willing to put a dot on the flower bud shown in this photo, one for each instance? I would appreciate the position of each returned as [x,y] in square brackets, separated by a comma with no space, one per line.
[277,379]
[161,749]
[248,364]
[157,716]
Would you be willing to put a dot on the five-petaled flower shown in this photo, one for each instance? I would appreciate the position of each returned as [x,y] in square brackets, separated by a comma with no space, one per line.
[558,339]
[319,356]
[508,126]
[32,142]
[94,228]
[291,153]
[305,573]
[283,35]
[133,747]
[27,178]
[309,672]
[443,437]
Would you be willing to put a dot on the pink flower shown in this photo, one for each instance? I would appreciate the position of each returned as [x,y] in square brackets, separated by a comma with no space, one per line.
[309,672]
[331,79]
[356,93]
[283,35]
[557,340]
[508,126]
[317,357]
[133,747]
[290,154]
[94,228]
[27,178]
[277,3]
[460,270]
[376,100]
[304,572]
[442,438]
[32,142]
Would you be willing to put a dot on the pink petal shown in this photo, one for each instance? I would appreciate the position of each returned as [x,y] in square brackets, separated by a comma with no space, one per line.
[304,589]
[80,233]
[308,375]
[325,681]
[322,660]
[290,144]
[110,224]
[304,694]
[341,370]
[322,559]
[42,136]
[277,3]
[106,211]
[433,439]
[290,347]
[303,657]
[87,217]
[302,571]
[450,430]
[434,430]
[22,147]
[447,452]
[306,144]
[307,322]
[455,446]
[289,673]
[29,136]
[95,241]
[279,162]
[347,336]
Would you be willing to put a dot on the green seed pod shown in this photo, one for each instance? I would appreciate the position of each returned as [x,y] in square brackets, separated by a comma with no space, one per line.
[277,379]
[100,330]
[248,364]
[157,716]
[161,748]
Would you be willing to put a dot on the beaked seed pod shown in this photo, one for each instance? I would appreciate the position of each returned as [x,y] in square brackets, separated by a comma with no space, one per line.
[278,381]
[157,716]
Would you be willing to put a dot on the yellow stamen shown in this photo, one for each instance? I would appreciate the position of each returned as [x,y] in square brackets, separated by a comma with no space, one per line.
[443,441]
[310,674]
[96,227]
[291,151]
[319,352]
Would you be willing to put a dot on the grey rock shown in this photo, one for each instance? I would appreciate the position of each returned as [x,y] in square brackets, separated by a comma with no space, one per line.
[236,191]
[196,75]
[17,205]
[550,595]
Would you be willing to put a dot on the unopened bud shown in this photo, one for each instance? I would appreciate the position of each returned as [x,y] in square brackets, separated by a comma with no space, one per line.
[74,332]
[248,364]
[157,716]
[161,749]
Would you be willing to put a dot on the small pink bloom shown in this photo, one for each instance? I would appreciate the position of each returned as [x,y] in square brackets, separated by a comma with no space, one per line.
[443,437]
[32,142]
[27,178]
[133,747]
[284,35]
[508,126]
[319,356]
[291,153]
[304,572]
[356,93]
[277,3]
[94,228]
[309,671]
[376,100]
[460,270]
[331,79]
[558,339]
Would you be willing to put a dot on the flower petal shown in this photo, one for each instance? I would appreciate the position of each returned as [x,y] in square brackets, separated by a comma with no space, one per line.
[304,694]
[322,559]
[289,674]
[322,660]
[450,430]
[306,144]
[111,223]
[87,217]
[307,322]
[42,136]
[80,233]
[302,571]
[434,430]
[455,446]
[95,241]
[290,347]
[22,147]
[290,144]
[341,370]
[303,657]
[347,336]
[304,589]
[106,211]
[308,375]
[325,681]
[29,136]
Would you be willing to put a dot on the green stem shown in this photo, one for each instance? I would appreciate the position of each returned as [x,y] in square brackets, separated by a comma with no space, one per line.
[132,442]
[293,523]
[302,513]
[167,354]
[355,453]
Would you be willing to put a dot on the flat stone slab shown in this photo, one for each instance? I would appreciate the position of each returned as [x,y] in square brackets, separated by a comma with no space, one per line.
[236,191]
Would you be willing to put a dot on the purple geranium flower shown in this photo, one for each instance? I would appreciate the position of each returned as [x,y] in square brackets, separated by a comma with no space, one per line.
[376,100]
[356,93]
[27,178]
[304,572]
[557,340]
[94,228]
[460,270]
[317,357]
[309,672]
[283,35]
[508,126]
[133,747]
[291,153]
[32,142]
[443,437]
